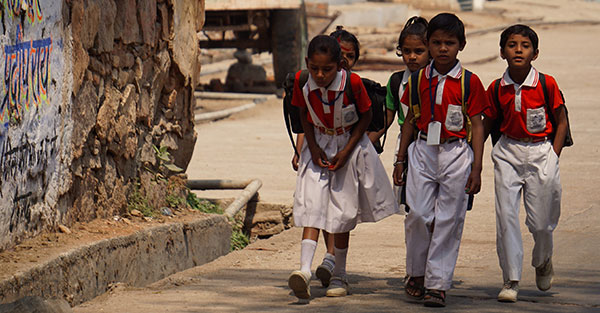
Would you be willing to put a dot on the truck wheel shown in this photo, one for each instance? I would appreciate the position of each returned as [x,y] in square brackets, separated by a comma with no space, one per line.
[288,42]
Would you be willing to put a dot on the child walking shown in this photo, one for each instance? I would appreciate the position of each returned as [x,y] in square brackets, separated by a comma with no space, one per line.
[442,168]
[412,47]
[525,158]
[341,180]
[350,50]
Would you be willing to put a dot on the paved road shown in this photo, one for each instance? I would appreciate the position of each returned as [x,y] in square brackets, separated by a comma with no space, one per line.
[253,144]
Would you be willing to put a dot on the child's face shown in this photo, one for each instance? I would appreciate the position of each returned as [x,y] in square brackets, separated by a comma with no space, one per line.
[444,48]
[414,53]
[322,69]
[518,52]
[348,54]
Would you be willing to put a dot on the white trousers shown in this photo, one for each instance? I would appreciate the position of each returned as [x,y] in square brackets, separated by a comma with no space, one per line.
[435,192]
[531,169]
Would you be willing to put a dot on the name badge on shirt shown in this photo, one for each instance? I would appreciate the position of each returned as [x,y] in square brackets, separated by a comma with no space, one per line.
[434,130]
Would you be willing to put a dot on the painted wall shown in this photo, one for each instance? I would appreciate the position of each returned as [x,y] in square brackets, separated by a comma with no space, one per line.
[88,88]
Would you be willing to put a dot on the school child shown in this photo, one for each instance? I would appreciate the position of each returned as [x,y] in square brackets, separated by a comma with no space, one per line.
[412,47]
[442,168]
[350,49]
[525,158]
[341,180]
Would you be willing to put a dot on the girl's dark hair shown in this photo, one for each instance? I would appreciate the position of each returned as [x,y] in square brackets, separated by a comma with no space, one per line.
[326,45]
[343,35]
[449,23]
[519,29]
[415,26]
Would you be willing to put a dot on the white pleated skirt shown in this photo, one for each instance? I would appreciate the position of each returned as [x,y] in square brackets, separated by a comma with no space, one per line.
[336,201]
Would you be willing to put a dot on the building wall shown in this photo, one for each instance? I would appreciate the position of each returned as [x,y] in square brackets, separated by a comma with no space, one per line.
[89,87]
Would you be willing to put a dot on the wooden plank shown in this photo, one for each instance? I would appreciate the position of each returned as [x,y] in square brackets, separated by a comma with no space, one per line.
[219,5]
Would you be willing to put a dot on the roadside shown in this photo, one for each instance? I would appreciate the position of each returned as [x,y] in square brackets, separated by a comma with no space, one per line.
[254,144]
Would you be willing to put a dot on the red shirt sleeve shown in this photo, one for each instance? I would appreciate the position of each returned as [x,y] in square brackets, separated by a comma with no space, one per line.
[478,100]
[360,93]
[297,96]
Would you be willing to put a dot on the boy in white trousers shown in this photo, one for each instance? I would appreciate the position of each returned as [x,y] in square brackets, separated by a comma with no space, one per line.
[525,104]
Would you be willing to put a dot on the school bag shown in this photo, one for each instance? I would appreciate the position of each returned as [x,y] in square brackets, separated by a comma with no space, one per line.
[377,95]
[495,131]
[415,105]
[375,91]
[291,113]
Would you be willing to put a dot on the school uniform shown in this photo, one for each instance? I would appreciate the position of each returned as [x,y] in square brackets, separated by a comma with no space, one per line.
[359,191]
[525,162]
[390,102]
[437,175]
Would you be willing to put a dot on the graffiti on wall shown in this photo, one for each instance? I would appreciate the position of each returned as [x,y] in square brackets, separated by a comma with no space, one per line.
[31,8]
[26,77]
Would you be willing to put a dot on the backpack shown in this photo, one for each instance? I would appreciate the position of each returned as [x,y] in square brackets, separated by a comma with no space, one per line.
[415,97]
[495,131]
[415,106]
[291,113]
[377,94]
[375,91]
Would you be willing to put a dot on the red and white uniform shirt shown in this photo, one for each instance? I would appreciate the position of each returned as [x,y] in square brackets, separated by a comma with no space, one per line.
[447,94]
[523,106]
[323,100]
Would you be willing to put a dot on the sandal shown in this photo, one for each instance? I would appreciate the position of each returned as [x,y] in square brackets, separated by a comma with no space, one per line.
[435,298]
[414,287]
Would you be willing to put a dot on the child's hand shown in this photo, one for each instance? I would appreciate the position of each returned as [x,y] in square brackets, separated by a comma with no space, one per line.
[397,175]
[295,160]
[320,158]
[473,183]
[338,161]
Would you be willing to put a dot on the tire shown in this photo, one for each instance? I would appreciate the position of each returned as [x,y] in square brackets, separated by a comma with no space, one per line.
[288,42]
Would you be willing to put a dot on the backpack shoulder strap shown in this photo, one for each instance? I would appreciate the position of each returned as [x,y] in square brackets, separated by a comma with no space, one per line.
[414,95]
[465,86]
[395,82]
[348,89]
[496,91]
[547,100]
[303,78]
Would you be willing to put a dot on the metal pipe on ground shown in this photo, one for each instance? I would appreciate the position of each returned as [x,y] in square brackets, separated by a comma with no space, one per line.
[250,189]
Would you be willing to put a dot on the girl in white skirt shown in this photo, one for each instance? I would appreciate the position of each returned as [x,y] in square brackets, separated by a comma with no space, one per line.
[341,181]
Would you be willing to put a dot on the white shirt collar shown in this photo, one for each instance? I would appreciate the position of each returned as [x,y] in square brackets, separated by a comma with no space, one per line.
[405,77]
[337,84]
[455,72]
[530,81]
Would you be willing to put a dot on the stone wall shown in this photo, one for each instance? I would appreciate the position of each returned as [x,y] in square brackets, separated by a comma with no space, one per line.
[90,88]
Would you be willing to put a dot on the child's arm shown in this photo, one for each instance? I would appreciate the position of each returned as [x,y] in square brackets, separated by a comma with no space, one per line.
[296,157]
[474,181]
[339,160]
[406,137]
[561,129]
[318,156]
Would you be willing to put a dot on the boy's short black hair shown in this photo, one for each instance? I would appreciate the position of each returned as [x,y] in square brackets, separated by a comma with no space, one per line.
[449,23]
[343,35]
[519,29]
[326,45]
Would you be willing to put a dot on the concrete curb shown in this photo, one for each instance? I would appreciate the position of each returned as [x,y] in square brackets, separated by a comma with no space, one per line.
[137,259]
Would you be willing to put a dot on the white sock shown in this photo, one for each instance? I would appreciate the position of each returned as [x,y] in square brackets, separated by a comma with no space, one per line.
[307,253]
[329,258]
[340,262]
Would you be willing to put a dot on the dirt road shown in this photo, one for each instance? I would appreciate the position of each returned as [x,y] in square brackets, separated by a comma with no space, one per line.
[254,144]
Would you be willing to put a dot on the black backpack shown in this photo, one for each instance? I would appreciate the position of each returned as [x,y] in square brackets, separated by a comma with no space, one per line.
[375,91]
[495,131]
